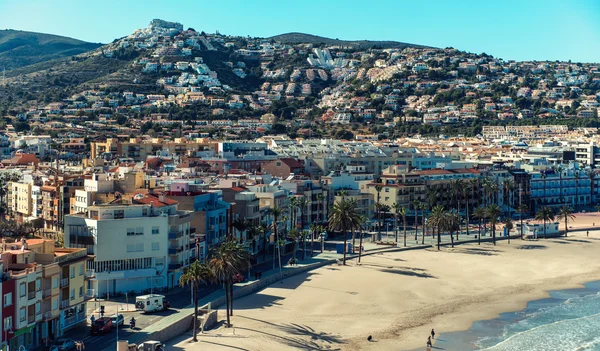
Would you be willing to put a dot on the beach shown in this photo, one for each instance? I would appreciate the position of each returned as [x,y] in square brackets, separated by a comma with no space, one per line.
[398,297]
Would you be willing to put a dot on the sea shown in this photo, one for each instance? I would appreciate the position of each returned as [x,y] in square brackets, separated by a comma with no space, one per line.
[569,320]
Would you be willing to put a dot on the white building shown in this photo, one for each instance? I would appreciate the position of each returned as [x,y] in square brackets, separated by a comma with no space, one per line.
[137,246]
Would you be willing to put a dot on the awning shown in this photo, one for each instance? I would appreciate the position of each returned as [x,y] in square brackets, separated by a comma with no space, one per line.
[23,331]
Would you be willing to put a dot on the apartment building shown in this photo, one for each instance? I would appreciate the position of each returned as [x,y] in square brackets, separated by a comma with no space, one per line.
[62,284]
[138,246]
[139,149]
[24,201]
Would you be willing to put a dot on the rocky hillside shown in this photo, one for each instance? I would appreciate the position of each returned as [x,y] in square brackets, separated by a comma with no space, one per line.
[299,38]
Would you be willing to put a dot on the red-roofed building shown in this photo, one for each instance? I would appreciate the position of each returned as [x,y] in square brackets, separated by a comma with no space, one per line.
[21,160]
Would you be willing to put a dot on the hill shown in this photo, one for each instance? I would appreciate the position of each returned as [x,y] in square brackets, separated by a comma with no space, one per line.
[20,48]
[298,38]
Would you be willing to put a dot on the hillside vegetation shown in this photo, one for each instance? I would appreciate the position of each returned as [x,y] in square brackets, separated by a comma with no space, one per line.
[297,38]
[20,48]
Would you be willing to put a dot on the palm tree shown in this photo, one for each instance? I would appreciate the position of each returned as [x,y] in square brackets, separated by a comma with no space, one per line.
[225,262]
[194,275]
[566,214]
[523,208]
[344,217]
[397,212]
[480,214]
[378,188]
[422,207]
[293,211]
[436,219]
[451,223]
[380,208]
[508,224]
[240,225]
[467,189]
[276,212]
[492,213]
[402,213]
[313,228]
[457,187]
[545,214]
[416,205]
[294,236]
[509,188]
[302,204]
[320,201]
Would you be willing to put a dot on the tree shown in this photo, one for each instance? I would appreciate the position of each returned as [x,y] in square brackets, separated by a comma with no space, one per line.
[416,206]
[523,208]
[294,235]
[492,212]
[226,262]
[480,214]
[451,223]
[565,214]
[194,275]
[396,207]
[302,203]
[344,217]
[276,212]
[545,214]
[436,219]
[402,212]
[508,224]
[378,189]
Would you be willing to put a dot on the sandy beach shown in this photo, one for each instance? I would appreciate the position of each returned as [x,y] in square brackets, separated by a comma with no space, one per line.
[398,297]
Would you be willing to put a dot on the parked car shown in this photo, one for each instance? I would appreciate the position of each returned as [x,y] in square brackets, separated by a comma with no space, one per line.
[101,326]
[65,344]
[117,320]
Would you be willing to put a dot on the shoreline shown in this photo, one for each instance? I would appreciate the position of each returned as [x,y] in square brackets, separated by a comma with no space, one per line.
[474,314]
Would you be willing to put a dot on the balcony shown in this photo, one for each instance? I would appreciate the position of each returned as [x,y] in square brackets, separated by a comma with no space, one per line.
[47,293]
[173,266]
[64,282]
[89,294]
[175,234]
[64,304]
[31,295]
[90,273]
[175,250]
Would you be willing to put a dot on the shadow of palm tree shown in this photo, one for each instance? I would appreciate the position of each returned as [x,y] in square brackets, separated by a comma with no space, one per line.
[408,273]
[531,247]
[296,336]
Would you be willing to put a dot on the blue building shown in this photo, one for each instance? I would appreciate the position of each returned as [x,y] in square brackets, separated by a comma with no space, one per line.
[212,213]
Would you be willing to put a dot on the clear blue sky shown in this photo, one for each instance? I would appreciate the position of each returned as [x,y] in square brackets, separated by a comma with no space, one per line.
[510,29]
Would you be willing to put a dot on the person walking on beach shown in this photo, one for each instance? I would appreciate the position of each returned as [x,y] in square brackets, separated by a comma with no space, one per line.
[432,334]
[429,342]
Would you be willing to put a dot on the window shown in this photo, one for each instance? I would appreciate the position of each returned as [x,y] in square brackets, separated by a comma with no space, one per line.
[8,299]
[22,314]
[80,291]
[55,303]
[387,190]
[55,282]
[38,285]
[138,247]
[38,308]
[72,272]
[119,214]
[155,246]
[94,214]
[130,231]
[8,323]
[155,230]
[81,269]
[72,294]
[278,164]
[144,211]
[22,290]
[139,231]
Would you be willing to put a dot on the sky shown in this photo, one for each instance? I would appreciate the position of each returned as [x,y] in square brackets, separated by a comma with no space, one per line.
[509,29]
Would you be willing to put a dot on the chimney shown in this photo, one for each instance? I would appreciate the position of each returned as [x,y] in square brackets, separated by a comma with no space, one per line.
[161,197]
